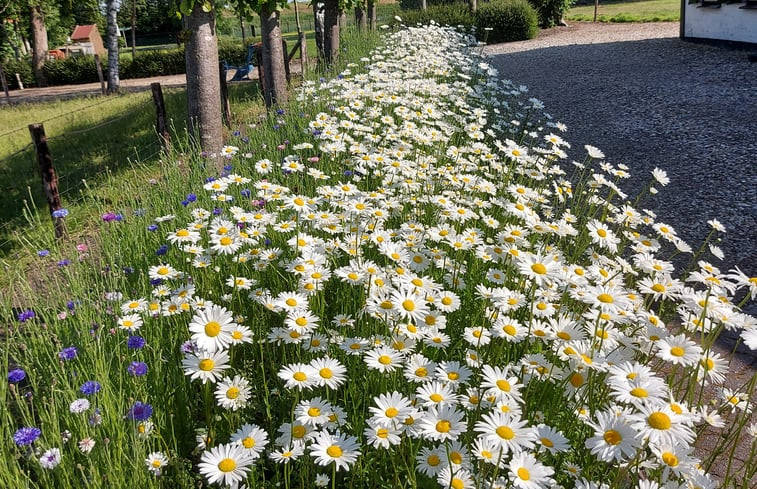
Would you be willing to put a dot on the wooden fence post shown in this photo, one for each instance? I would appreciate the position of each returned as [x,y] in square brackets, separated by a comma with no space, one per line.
[261,69]
[160,109]
[20,83]
[49,179]
[100,74]
[5,85]
[225,109]
[286,59]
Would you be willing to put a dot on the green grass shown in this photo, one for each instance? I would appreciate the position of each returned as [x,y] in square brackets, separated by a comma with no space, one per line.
[629,11]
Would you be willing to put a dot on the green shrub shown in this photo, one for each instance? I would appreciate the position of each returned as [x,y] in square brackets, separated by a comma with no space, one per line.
[77,69]
[452,14]
[509,20]
[551,12]
[21,66]
[416,4]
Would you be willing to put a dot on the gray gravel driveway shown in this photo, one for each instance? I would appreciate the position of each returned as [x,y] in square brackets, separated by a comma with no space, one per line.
[648,99]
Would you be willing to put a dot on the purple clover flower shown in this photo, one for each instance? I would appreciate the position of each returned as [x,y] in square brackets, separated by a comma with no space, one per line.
[16,375]
[68,353]
[90,387]
[137,369]
[26,435]
[140,411]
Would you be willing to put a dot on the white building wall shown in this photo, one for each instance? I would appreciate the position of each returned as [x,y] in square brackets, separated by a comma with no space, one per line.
[727,23]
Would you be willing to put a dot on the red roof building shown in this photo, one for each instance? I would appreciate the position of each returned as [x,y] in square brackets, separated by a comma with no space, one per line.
[89,38]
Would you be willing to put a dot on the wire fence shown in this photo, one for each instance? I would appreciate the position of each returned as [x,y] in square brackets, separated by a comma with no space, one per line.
[73,184]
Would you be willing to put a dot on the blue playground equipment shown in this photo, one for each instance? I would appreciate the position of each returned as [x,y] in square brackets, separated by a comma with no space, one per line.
[243,72]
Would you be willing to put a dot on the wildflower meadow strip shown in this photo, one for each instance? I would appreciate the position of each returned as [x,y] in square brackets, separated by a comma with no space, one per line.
[417,288]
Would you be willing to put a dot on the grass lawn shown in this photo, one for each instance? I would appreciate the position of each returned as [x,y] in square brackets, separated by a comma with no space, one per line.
[628,11]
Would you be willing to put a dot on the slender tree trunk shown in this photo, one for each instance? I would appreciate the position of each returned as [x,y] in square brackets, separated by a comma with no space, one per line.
[320,31]
[473,5]
[372,14]
[331,31]
[203,83]
[360,18]
[133,29]
[424,6]
[273,57]
[342,19]
[111,40]
[39,38]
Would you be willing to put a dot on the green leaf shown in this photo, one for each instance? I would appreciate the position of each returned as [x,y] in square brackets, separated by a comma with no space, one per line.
[207,6]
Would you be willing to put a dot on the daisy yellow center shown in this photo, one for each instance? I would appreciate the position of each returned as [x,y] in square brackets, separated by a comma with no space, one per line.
[290,302]
[677,351]
[433,460]
[237,335]
[612,437]
[227,465]
[299,376]
[601,333]
[639,392]
[446,301]
[326,373]
[605,298]
[298,431]
[453,376]
[386,305]
[539,268]
[546,442]
[659,421]
[248,442]
[524,474]
[505,432]
[355,346]
[602,233]
[391,412]
[334,451]
[563,335]
[443,426]
[411,328]
[509,329]
[408,305]
[708,364]
[206,364]
[456,458]
[385,359]
[631,375]
[352,276]
[182,233]
[670,459]
[503,385]
[162,271]
[658,288]
[576,380]
[299,201]
[212,328]
[421,372]
[225,241]
[436,397]
[477,333]
[232,392]
[301,321]
[156,463]
[127,323]
[314,411]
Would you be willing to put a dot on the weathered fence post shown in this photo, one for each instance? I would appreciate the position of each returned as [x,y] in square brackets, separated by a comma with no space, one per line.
[5,85]
[225,109]
[286,60]
[49,179]
[20,83]
[100,74]
[160,109]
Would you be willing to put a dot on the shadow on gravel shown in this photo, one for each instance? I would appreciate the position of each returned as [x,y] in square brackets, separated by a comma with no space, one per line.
[689,109]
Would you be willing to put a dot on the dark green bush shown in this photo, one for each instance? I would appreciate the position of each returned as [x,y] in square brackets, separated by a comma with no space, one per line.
[21,66]
[77,69]
[416,4]
[509,20]
[453,15]
[551,12]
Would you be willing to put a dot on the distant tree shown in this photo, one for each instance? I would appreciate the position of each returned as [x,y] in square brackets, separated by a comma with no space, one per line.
[111,39]
[39,41]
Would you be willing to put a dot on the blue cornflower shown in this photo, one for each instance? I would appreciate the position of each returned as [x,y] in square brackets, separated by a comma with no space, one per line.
[70,305]
[26,435]
[246,193]
[16,375]
[60,213]
[185,203]
[217,211]
[246,139]
[191,197]
[140,411]
[162,250]
[210,179]
[156,281]
[280,111]
[127,270]
[43,253]
[64,262]
[90,387]
[135,342]
[228,167]
[68,353]
[26,315]
[236,133]
[137,369]
[152,227]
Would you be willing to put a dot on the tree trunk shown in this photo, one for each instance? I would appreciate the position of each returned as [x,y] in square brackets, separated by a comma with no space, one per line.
[360,19]
[39,38]
[273,57]
[473,5]
[133,29]
[424,6]
[320,31]
[372,14]
[203,83]
[331,31]
[342,19]
[111,40]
